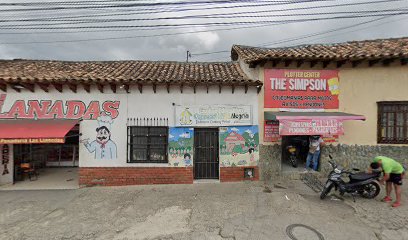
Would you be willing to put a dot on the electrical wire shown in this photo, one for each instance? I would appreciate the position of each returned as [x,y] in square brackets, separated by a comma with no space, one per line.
[313,36]
[291,39]
[203,16]
[173,10]
[157,35]
[130,5]
[205,24]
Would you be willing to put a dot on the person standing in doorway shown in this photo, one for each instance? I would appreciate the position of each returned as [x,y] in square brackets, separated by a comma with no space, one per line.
[393,175]
[315,142]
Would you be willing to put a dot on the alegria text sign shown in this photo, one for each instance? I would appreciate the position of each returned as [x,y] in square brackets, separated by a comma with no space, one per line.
[213,115]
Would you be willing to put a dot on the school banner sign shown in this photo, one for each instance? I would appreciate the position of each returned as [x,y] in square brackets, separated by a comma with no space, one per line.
[213,115]
[324,127]
[301,89]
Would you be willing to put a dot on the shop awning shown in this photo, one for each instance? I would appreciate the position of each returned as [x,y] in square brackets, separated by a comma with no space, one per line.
[311,123]
[27,131]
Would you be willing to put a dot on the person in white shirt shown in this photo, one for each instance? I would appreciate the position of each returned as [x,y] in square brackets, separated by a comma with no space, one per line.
[314,152]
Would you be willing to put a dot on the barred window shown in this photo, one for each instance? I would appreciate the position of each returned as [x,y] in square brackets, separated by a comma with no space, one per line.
[393,122]
[147,144]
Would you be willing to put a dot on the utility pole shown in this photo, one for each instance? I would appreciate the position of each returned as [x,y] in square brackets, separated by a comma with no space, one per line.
[188,55]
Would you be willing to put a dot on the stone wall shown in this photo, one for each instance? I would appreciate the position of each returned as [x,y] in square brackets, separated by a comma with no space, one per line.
[270,161]
[357,156]
[348,156]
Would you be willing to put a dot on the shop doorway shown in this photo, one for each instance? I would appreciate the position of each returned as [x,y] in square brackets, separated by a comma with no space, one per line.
[206,157]
[53,166]
[294,149]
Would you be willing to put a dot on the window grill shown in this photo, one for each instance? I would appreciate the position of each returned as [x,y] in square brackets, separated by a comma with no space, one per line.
[147,140]
[145,122]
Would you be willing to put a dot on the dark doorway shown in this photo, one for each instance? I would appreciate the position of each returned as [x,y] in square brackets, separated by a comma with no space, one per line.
[55,165]
[301,144]
[206,161]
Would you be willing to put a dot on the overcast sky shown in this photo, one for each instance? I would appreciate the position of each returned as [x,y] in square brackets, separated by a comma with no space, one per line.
[267,27]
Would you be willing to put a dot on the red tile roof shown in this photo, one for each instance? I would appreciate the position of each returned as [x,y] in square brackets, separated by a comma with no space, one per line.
[380,49]
[233,137]
[127,72]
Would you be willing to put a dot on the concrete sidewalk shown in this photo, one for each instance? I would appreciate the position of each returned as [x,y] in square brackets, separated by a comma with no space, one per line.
[198,211]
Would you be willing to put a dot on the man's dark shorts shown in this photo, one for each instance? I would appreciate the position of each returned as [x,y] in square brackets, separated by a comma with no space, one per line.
[395,178]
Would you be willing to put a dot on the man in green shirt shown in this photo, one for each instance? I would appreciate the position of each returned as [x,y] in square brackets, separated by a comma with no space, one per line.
[393,174]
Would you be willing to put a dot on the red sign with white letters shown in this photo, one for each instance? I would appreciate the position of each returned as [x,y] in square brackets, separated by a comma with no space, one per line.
[57,109]
[301,89]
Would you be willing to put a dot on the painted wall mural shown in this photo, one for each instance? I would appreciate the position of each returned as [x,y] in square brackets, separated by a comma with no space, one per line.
[239,146]
[103,147]
[181,144]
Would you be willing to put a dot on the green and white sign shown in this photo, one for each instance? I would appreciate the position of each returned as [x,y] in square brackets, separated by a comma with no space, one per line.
[213,115]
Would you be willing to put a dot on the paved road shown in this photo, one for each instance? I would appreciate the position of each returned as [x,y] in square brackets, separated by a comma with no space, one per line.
[199,211]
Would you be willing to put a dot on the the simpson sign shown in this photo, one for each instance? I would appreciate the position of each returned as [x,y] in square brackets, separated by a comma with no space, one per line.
[57,109]
[306,89]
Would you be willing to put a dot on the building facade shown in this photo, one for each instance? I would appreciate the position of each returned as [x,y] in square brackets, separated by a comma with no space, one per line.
[138,122]
[132,122]
[336,83]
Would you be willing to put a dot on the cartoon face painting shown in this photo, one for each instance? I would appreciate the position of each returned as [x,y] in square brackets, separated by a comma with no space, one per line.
[187,159]
[103,135]
[102,147]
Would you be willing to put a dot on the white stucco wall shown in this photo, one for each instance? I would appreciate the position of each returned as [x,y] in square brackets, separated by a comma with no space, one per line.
[135,105]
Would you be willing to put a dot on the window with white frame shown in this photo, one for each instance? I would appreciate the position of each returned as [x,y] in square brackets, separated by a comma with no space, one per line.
[393,122]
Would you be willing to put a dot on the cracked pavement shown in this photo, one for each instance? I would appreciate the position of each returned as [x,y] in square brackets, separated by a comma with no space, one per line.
[200,211]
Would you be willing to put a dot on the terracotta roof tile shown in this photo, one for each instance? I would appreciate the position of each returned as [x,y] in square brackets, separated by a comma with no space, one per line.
[34,71]
[355,50]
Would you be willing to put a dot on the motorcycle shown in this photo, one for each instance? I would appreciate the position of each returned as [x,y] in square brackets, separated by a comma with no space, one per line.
[292,155]
[360,183]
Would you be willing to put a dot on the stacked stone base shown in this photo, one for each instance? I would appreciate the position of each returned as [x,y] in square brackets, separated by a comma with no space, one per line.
[348,156]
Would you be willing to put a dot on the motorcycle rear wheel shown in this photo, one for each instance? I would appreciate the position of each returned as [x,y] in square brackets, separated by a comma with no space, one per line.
[293,160]
[326,190]
[371,190]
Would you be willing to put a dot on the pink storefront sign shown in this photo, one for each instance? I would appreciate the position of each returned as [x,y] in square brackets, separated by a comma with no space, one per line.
[324,127]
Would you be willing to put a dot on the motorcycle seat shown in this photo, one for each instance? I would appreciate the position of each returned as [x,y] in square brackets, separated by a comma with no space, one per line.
[363,176]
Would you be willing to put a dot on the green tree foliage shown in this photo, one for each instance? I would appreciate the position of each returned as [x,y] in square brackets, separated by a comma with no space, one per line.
[238,149]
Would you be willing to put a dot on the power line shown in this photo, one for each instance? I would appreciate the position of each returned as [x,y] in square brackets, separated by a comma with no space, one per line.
[140,36]
[130,5]
[313,36]
[204,24]
[202,16]
[291,39]
[139,11]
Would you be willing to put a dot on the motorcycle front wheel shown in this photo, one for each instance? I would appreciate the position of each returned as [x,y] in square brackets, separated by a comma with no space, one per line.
[327,188]
[370,190]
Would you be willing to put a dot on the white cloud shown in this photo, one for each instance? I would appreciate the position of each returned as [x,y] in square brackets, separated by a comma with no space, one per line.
[171,136]
[235,129]
[185,135]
